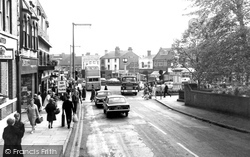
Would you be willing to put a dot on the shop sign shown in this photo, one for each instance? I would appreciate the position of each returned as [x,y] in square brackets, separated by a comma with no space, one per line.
[4,54]
[61,86]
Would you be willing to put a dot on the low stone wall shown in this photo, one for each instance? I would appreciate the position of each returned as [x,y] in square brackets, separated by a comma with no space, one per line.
[218,102]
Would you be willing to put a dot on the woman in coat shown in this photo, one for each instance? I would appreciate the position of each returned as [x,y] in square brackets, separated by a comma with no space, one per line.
[11,136]
[67,106]
[50,109]
[33,114]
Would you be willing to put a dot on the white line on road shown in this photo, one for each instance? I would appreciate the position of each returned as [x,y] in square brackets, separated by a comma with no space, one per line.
[188,150]
[158,128]
[138,115]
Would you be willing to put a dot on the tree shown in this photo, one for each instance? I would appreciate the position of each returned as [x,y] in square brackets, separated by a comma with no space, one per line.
[217,41]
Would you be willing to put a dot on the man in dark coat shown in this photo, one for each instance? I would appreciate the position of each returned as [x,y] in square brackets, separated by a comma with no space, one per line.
[166,91]
[11,139]
[83,92]
[68,108]
[50,109]
[92,94]
[18,124]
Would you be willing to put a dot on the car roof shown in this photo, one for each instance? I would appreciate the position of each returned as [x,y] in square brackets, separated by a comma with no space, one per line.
[116,96]
[103,91]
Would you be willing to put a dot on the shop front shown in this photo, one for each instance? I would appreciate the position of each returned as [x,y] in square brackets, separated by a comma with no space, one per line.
[28,80]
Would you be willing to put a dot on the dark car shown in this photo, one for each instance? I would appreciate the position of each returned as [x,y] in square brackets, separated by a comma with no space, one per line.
[100,96]
[116,104]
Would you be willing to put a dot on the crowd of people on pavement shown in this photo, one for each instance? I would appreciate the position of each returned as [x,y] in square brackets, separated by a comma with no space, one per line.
[150,90]
[14,131]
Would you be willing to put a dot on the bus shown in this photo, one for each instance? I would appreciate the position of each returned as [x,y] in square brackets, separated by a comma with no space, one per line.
[92,77]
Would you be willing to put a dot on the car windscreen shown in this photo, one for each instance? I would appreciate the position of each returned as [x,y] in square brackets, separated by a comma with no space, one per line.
[129,79]
[116,100]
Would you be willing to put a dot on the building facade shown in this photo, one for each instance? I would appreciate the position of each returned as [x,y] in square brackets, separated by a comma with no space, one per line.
[163,60]
[113,65]
[8,60]
[146,63]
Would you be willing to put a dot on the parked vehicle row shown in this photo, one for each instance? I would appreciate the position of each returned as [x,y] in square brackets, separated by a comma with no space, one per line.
[111,103]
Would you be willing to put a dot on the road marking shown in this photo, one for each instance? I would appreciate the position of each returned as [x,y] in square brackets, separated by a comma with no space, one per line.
[158,128]
[139,115]
[188,150]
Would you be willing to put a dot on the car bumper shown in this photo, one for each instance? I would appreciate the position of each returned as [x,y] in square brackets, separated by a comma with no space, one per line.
[129,91]
[118,110]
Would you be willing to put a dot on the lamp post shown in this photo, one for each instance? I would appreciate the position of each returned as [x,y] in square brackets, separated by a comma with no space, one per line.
[125,61]
[70,66]
[73,45]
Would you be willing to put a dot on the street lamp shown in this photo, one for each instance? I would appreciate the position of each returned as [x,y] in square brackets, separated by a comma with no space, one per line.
[70,66]
[73,45]
[125,61]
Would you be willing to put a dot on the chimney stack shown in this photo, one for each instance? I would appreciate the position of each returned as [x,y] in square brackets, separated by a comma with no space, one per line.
[130,49]
[117,51]
[106,51]
[149,53]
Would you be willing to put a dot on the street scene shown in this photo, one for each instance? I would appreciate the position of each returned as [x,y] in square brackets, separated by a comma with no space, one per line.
[124,78]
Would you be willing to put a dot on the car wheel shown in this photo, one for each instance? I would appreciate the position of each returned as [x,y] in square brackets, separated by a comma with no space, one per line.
[135,93]
[126,114]
[122,93]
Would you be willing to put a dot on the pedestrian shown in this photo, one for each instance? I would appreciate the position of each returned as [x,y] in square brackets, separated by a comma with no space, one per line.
[11,136]
[79,94]
[92,97]
[46,100]
[37,102]
[50,109]
[21,129]
[105,88]
[166,91]
[75,100]
[67,106]
[39,97]
[83,92]
[154,91]
[33,114]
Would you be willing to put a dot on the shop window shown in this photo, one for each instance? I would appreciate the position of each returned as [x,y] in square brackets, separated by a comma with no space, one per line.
[4,82]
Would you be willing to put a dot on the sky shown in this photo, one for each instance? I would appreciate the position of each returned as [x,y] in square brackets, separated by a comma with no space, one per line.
[141,24]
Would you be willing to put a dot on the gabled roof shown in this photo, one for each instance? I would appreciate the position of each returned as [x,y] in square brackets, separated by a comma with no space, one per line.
[112,55]
[164,54]
[148,57]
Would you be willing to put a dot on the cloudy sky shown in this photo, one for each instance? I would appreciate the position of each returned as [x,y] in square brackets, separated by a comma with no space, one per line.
[140,24]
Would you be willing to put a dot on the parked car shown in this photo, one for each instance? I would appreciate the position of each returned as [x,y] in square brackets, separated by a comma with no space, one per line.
[100,97]
[116,104]
[113,80]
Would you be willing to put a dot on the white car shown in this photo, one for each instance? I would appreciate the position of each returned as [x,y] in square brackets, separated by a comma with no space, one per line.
[113,80]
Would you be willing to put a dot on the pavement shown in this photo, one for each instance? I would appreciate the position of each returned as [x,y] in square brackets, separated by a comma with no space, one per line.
[56,137]
[221,119]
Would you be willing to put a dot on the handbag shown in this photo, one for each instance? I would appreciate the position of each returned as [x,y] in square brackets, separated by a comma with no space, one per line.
[39,120]
[75,118]
[57,111]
